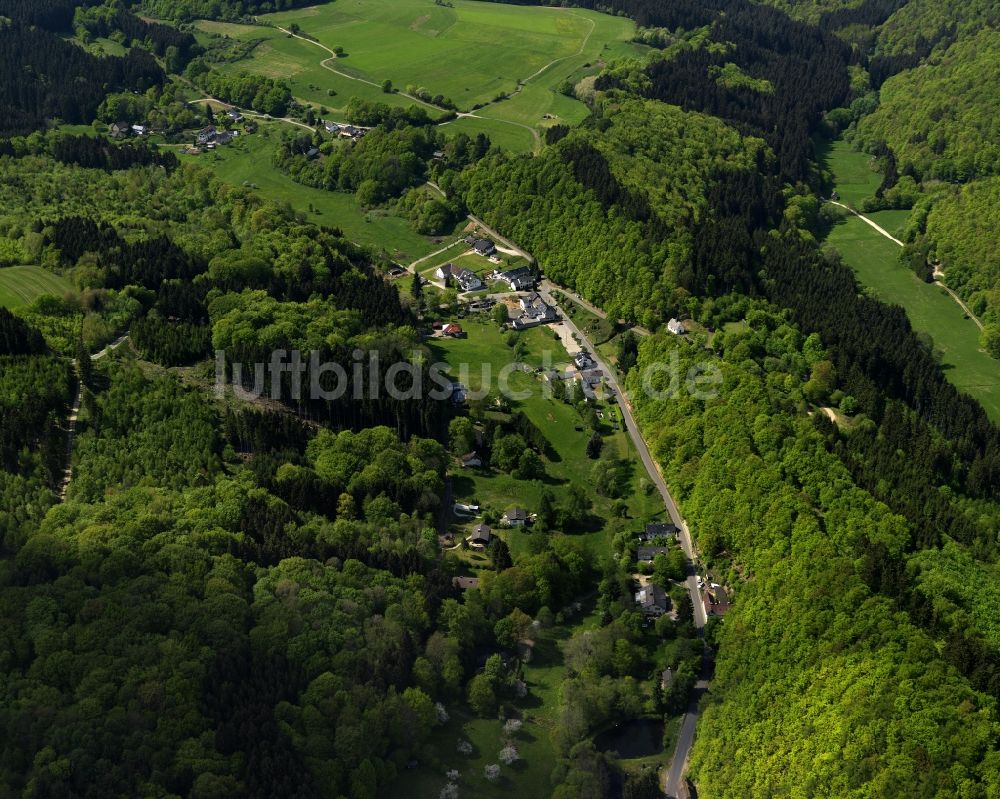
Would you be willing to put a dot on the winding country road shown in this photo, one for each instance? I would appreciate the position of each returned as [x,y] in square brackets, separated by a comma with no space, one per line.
[893,239]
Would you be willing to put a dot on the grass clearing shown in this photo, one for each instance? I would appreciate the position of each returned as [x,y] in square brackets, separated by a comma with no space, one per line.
[22,285]
[470,52]
[854,172]
[248,161]
[931,311]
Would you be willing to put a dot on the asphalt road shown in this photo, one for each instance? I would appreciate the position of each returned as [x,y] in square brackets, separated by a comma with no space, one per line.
[685,738]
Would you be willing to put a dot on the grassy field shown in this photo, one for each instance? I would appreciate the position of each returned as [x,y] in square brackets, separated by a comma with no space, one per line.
[248,161]
[932,312]
[470,52]
[853,171]
[21,285]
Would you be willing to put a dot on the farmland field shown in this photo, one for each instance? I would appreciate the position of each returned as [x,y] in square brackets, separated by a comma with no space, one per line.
[21,285]
[471,53]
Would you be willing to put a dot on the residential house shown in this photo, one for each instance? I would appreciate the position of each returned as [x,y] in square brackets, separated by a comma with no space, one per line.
[715,599]
[467,280]
[471,460]
[120,130]
[515,517]
[534,311]
[140,130]
[676,327]
[234,115]
[207,135]
[312,152]
[453,330]
[481,536]
[660,530]
[484,247]
[648,554]
[445,271]
[583,360]
[520,279]
[225,137]
[465,583]
[652,600]
[331,127]
[469,510]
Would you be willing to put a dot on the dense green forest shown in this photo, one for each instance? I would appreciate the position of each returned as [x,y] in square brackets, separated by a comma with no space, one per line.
[240,596]
[941,120]
[846,696]
[612,208]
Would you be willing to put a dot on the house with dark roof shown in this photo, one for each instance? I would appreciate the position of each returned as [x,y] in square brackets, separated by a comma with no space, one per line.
[515,517]
[468,280]
[652,600]
[207,135]
[534,311]
[120,130]
[520,279]
[648,554]
[484,247]
[481,536]
[583,360]
[659,530]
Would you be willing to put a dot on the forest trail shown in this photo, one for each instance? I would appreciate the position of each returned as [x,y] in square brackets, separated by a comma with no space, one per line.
[74,413]
[937,272]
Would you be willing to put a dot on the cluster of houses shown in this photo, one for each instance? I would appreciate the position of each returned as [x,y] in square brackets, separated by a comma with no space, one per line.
[466,279]
[585,371]
[351,132]
[123,130]
[534,311]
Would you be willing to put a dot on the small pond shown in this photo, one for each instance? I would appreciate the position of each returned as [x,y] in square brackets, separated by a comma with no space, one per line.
[636,738]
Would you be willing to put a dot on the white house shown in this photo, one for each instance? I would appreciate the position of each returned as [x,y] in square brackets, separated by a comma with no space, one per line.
[676,327]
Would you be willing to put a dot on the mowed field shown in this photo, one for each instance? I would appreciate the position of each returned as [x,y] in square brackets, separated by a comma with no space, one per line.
[470,53]
[21,285]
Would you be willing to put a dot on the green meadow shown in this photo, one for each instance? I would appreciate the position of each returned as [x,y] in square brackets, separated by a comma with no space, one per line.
[247,161]
[931,311]
[470,52]
[22,285]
